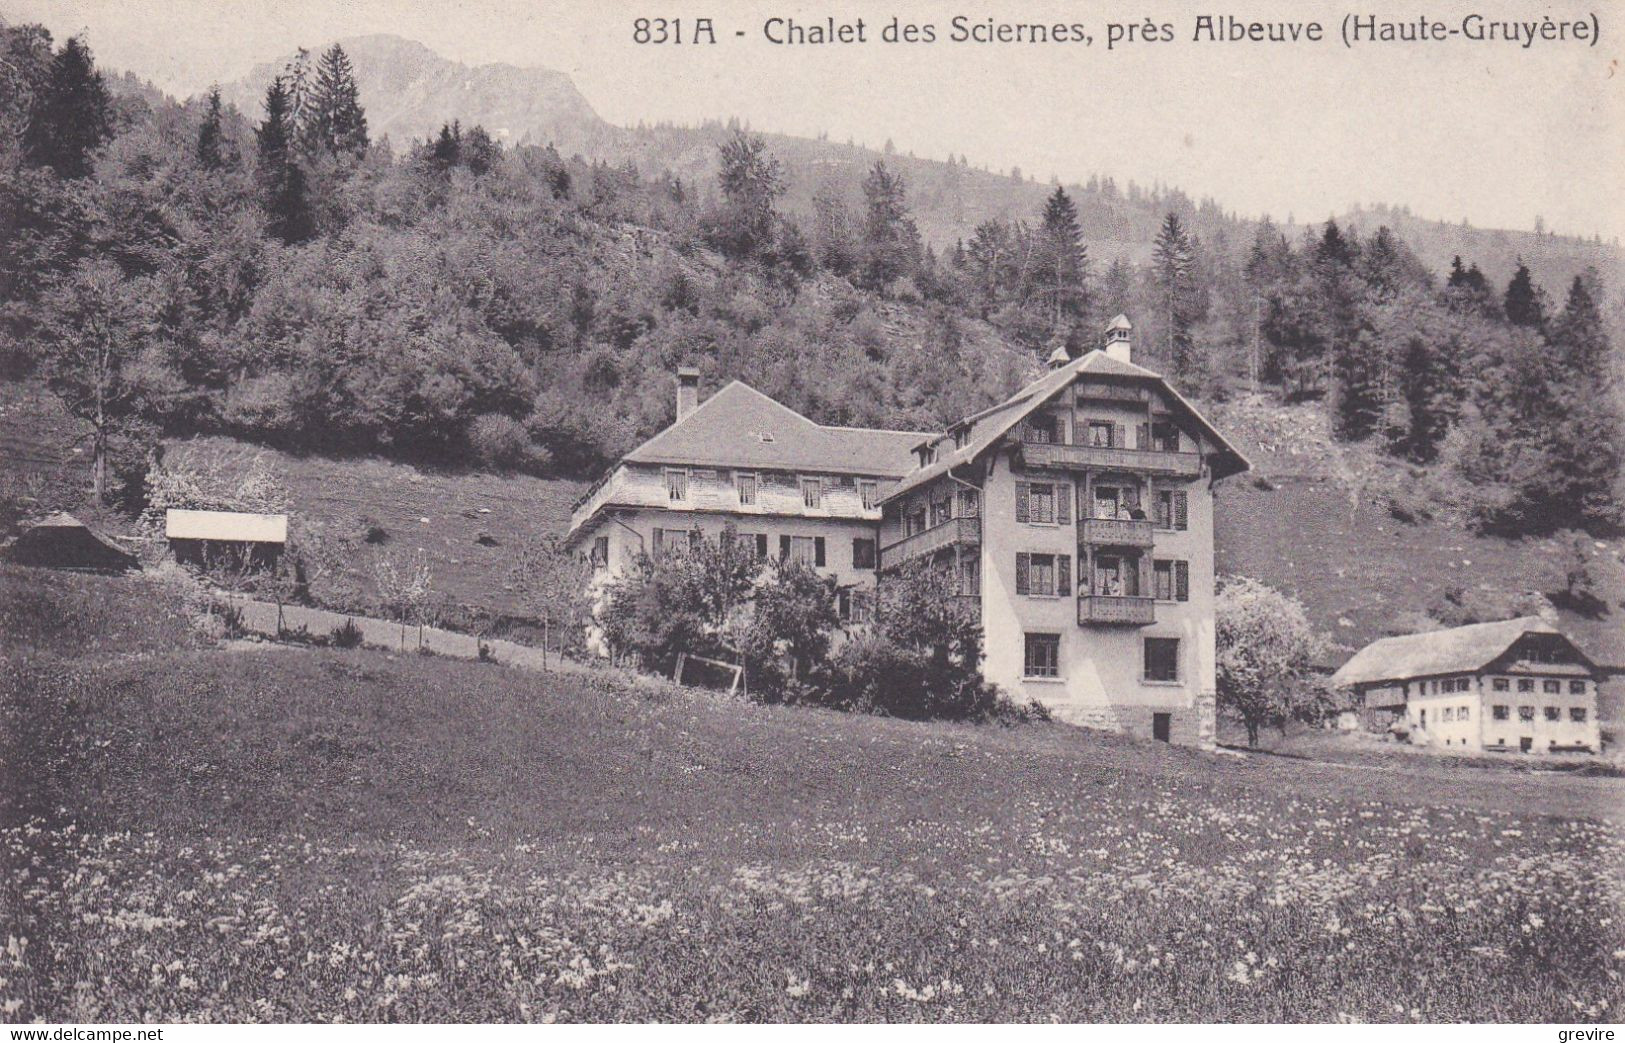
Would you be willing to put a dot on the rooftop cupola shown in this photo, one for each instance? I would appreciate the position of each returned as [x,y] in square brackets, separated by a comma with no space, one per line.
[1118,333]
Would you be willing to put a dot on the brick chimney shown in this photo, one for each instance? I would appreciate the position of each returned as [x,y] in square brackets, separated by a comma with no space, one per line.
[1117,339]
[688,392]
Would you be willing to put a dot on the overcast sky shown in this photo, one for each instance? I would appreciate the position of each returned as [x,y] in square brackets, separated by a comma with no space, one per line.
[1493,133]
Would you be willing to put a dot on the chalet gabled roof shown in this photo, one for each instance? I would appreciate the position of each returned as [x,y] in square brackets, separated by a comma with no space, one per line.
[739,427]
[983,430]
[1457,650]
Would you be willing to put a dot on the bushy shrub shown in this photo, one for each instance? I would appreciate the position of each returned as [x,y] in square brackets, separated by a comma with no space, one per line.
[346,635]
[501,443]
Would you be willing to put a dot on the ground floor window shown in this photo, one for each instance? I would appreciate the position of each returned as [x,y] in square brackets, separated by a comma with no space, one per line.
[1043,658]
[1162,659]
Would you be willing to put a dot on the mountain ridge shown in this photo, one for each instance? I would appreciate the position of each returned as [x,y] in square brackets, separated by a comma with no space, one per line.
[409,90]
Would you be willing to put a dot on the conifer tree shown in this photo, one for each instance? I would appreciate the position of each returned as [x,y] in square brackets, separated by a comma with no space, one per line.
[752,182]
[891,240]
[210,142]
[282,182]
[1173,272]
[332,120]
[1522,303]
[1063,263]
[72,115]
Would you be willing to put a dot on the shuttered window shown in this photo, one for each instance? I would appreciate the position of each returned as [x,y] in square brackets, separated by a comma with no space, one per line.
[1044,575]
[1173,509]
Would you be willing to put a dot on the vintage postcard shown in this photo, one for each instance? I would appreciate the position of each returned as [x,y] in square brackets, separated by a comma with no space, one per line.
[833,512]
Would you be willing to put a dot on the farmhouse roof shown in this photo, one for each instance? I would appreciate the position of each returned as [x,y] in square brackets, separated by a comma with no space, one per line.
[742,428]
[1457,650]
[981,431]
[227,526]
[64,542]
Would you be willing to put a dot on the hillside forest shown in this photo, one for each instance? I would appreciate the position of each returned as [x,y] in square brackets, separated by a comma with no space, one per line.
[284,277]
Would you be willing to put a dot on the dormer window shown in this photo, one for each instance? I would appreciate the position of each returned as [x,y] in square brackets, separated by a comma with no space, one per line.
[676,485]
[927,455]
[766,436]
[961,438]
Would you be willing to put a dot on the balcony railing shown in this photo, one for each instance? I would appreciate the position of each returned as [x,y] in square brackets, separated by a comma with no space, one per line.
[1146,461]
[1115,532]
[929,541]
[1116,611]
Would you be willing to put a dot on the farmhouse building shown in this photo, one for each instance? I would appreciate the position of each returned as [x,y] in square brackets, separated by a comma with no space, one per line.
[1077,517]
[1512,685]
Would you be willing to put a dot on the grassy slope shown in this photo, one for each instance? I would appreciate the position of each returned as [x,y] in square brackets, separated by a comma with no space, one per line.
[1355,567]
[521,848]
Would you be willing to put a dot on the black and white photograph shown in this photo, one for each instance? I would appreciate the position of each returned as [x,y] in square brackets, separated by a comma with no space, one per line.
[852,513]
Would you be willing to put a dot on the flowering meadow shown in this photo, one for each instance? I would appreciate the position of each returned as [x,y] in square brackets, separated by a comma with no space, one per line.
[320,835]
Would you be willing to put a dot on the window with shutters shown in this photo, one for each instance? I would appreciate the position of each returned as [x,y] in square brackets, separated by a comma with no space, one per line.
[746,485]
[869,494]
[812,493]
[863,552]
[1162,659]
[676,484]
[1172,509]
[805,550]
[1172,580]
[1040,503]
[1100,434]
[1043,655]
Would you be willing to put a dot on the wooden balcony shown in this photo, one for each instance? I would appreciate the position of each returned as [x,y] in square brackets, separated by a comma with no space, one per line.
[953,531]
[1113,532]
[1116,611]
[1095,458]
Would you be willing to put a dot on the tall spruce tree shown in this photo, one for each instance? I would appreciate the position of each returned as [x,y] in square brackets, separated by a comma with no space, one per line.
[333,120]
[210,136]
[1063,264]
[281,180]
[72,115]
[1588,437]
[1173,271]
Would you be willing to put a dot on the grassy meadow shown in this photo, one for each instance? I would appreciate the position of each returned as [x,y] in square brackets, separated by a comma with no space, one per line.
[196,833]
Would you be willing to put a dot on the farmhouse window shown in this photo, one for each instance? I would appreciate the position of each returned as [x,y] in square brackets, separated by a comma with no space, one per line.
[1526,684]
[1173,509]
[1552,687]
[1500,684]
[1577,714]
[863,552]
[600,552]
[1554,713]
[1172,579]
[970,577]
[1041,428]
[1577,688]
[1526,713]
[746,484]
[1043,655]
[1162,659]
[676,485]
[1499,712]
[1100,434]
[869,494]
[807,550]
[1448,714]
[1461,714]
[1164,436]
[812,493]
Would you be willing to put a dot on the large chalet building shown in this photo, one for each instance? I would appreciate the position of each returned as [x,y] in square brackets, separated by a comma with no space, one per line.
[1077,516]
